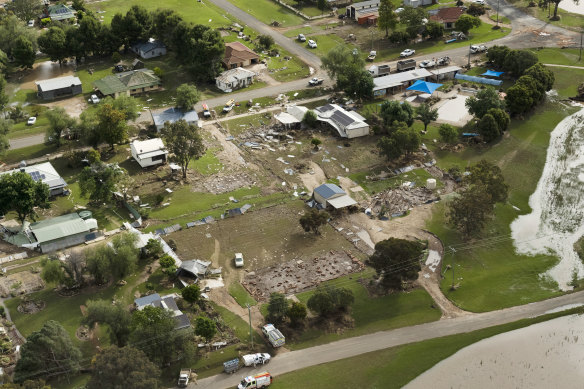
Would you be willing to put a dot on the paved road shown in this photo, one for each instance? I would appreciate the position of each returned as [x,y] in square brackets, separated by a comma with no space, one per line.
[346,348]
[19,143]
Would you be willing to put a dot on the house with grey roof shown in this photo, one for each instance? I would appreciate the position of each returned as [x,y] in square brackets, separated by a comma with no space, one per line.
[149,152]
[168,303]
[348,124]
[333,195]
[397,82]
[194,268]
[44,172]
[59,12]
[151,49]
[128,83]
[233,79]
[171,115]
[58,87]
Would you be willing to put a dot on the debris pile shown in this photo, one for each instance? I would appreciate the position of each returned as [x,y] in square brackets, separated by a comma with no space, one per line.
[396,202]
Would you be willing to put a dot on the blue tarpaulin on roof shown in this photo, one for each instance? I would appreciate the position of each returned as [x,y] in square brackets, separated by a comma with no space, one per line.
[491,73]
[480,80]
[424,87]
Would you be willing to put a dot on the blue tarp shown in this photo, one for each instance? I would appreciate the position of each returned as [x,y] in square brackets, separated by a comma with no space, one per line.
[424,87]
[480,80]
[491,73]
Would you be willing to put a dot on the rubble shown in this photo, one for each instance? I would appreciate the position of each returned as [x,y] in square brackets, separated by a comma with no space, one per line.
[396,202]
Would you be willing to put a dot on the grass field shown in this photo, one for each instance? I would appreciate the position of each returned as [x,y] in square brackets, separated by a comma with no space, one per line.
[396,366]
[239,125]
[268,11]
[567,20]
[324,43]
[238,292]
[559,56]
[284,70]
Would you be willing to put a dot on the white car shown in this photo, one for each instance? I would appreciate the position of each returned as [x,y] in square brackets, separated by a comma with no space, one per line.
[301,38]
[31,120]
[30,23]
[238,260]
[311,44]
[94,99]
[481,2]
[399,10]
[407,53]
[428,63]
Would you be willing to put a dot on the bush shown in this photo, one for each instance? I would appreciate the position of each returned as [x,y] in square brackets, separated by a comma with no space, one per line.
[329,299]
[158,72]
[399,37]
[476,9]
[116,57]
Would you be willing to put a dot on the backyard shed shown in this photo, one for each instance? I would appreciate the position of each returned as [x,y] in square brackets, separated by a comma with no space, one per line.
[149,152]
[333,195]
[58,87]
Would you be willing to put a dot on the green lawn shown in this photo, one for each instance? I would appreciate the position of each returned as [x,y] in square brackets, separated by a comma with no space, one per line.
[324,43]
[239,125]
[502,19]
[396,366]
[301,30]
[559,56]
[268,11]
[371,314]
[240,294]
[284,70]
[208,164]
[418,176]
[567,20]
[26,153]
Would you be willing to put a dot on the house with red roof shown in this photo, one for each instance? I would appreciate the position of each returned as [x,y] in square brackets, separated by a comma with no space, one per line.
[447,16]
[237,55]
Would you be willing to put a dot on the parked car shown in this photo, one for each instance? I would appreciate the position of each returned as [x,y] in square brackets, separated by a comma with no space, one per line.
[238,260]
[94,99]
[407,53]
[481,2]
[372,55]
[228,106]
[30,23]
[428,63]
[301,38]
[184,377]
[398,10]
[311,44]
[256,359]
[478,49]
[119,68]
[31,120]
[256,381]
[315,81]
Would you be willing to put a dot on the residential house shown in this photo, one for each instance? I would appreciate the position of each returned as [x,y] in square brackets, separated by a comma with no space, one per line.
[194,269]
[58,87]
[233,79]
[128,83]
[446,16]
[61,232]
[397,82]
[349,124]
[167,303]
[171,115]
[417,3]
[149,152]
[151,49]
[59,12]
[46,173]
[333,195]
[365,12]
[238,55]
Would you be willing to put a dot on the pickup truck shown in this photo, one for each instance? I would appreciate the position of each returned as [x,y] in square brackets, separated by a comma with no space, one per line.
[274,335]
[184,377]
[261,380]
[474,49]
[229,106]
[315,81]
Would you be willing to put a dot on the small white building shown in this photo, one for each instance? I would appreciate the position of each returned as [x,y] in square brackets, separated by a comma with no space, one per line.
[172,115]
[349,124]
[417,3]
[333,195]
[233,79]
[151,49]
[149,152]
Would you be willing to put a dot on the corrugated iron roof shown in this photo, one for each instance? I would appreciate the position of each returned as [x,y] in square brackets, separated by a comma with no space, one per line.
[59,227]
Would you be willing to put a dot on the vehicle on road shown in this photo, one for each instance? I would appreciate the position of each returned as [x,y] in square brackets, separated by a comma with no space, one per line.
[407,53]
[372,55]
[407,64]
[206,112]
[442,61]
[31,120]
[379,70]
[119,68]
[261,380]
[274,335]
[256,359]
[238,260]
[229,106]
[474,49]
[427,63]
[231,366]
[184,377]
[312,44]
[301,38]
[315,81]
[94,99]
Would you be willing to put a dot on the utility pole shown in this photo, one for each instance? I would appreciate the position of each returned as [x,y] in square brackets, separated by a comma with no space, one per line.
[469,46]
[250,333]
[497,13]
[453,250]
[581,33]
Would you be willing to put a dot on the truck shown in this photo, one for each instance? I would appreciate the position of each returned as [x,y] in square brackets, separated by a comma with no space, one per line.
[206,112]
[379,70]
[372,55]
[406,64]
[274,335]
[256,359]
[474,49]
[261,380]
[184,377]
[229,106]
[315,81]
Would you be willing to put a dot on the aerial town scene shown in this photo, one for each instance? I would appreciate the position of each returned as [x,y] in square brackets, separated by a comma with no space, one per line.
[291,194]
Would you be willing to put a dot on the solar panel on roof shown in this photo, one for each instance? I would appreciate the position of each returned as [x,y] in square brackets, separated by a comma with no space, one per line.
[342,118]
[36,176]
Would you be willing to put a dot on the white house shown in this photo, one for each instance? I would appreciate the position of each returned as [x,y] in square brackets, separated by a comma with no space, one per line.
[152,48]
[149,152]
[331,194]
[417,3]
[44,172]
[349,124]
[234,79]
[172,115]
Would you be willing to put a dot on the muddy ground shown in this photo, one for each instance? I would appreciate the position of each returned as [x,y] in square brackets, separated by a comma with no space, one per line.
[20,283]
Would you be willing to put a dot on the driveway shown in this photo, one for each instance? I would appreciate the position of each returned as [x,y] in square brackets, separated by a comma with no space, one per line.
[350,347]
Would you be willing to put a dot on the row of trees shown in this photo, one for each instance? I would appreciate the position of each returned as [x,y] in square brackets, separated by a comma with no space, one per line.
[347,68]
[529,90]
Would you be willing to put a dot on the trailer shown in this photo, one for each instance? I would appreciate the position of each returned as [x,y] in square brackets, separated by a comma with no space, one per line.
[406,64]
[231,366]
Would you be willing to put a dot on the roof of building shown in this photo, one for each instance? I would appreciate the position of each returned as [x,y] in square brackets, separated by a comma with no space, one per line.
[58,83]
[447,15]
[167,303]
[286,118]
[297,111]
[149,148]
[369,3]
[196,266]
[447,69]
[172,115]
[341,202]
[234,75]
[59,227]
[340,118]
[120,82]
[397,79]
[44,172]
[146,300]
[60,12]
[145,47]
[327,191]
[236,52]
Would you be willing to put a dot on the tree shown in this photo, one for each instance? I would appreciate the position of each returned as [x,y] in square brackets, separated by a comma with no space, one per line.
[322,5]
[111,125]
[117,318]
[491,177]
[392,111]
[23,52]
[434,30]
[310,119]
[166,261]
[476,9]
[328,299]
[387,17]
[396,261]
[277,307]
[97,262]
[78,5]
[191,293]
[313,220]
[153,248]
[501,117]
[53,42]
[399,37]
[466,22]
[469,211]
[125,254]
[201,48]
[12,28]
[519,99]
[20,193]
[137,24]
[426,114]
[357,83]
[184,142]
[488,128]
[52,272]
[556,3]
[89,34]
[126,367]
[542,75]
[413,19]
[341,60]
[205,327]
[518,61]
[99,181]
[48,352]
[266,41]
[484,100]
[497,54]
[67,272]
[3,96]
[296,313]
[59,121]
[164,22]
[5,127]
[125,104]
[187,96]
[408,138]
[315,142]
[448,134]
[25,10]
[389,147]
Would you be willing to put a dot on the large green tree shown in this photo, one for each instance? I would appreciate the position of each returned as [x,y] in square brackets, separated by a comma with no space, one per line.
[497,54]
[191,293]
[484,100]
[488,128]
[123,368]
[205,327]
[544,77]
[519,99]
[20,193]
[125,254]
[518,61]
[469,211]
[426,114]
[467,22]
[112,124]
[117,318]
[137,24]
[5,127]
[490,175]
[187,96]
[396,261]
[201,48]
[328,299]
[53,42]
[346,67]
[12,28]
[164,22]
[100,180]
[98,263]
[392,111]
[23,52]
[313,220]
[25,10]
[67,272]
[387,17]
[277,307]
[3,96]
[296,313]
[47,353]
[184,142]
[448,134]
[59,121]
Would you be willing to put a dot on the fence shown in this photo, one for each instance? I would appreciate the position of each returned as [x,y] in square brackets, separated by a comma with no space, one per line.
[302,14]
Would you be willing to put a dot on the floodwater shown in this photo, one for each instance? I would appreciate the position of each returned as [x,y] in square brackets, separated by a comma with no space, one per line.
[44,71]
[571,6]
[556,221]
[542,356]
